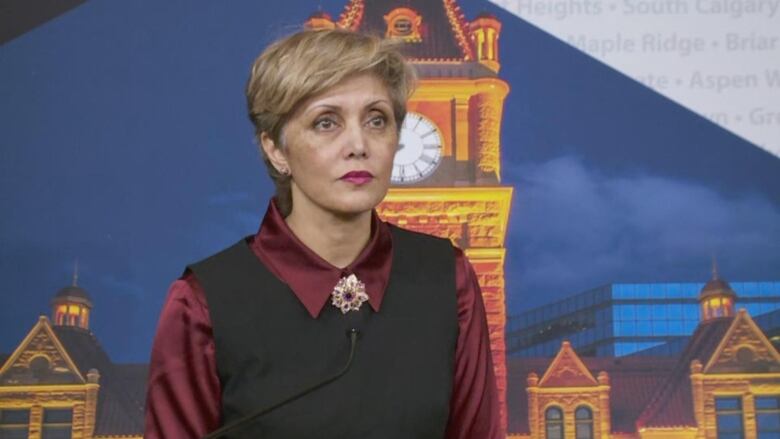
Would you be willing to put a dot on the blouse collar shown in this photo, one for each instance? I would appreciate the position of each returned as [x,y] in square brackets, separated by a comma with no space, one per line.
[312,278]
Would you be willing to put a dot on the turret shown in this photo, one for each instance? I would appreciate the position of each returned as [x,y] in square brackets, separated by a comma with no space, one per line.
[717,298]
[485,30]
[72,305]
[320,20]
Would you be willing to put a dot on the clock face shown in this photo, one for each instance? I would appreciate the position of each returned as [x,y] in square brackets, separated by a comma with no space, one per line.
[419,150]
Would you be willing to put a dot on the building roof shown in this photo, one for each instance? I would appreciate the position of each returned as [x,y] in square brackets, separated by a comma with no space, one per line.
[632,384]
[73,292]
[716,287]
[121,398]
[672,404]
[320,14]
[444,30]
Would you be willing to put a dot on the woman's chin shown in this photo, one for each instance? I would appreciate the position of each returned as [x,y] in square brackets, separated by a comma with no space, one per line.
[356,203]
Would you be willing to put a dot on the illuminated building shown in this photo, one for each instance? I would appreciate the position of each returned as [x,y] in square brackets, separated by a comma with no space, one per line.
[446,179]
[725,383]
[446,182]
[626,319]
[447,172]
[59,383]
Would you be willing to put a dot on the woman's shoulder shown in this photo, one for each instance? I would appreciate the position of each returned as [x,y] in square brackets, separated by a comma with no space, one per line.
[237,247]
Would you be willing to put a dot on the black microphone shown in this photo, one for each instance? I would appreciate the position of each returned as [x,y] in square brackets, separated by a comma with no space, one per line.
[352,333]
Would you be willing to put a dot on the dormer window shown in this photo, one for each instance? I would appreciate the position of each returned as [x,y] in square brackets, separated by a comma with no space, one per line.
[404,23]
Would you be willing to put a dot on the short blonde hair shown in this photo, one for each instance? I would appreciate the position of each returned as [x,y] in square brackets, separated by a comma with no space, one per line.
[301,65]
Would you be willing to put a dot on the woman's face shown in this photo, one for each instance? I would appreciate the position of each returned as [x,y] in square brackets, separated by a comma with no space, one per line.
[339,146]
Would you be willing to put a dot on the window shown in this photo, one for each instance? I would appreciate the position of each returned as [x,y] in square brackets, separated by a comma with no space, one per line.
[644,328]
[39,367]
[57,423]
[658,312]
[553,420]
[728,411]
[675,311]
[660,327]
[626,312]
[583,423]
[14,424]
[676,327]
[768,417]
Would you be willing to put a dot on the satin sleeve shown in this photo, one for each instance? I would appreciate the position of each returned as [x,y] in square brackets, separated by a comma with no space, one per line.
[474,408]
[183,397]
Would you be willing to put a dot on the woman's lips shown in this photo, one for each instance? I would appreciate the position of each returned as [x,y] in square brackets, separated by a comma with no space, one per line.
[358,177]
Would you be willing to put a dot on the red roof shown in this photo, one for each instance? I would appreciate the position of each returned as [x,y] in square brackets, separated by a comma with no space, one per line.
[672,404]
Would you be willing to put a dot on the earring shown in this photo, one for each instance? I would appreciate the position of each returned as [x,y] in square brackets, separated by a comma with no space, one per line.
[285,172]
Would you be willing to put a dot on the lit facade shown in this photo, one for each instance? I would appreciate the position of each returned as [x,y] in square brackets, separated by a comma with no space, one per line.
[446,182]
[60,384]
[447,172]
[724,384]
[724,377]
[626,319]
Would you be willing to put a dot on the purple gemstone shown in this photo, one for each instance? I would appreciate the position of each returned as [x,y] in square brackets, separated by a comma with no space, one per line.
[348,296]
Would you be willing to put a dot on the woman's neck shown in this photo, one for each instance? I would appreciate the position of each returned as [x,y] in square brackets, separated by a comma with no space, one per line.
[336,239]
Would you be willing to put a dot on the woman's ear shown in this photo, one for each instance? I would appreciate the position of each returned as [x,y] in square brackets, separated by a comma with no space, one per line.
[274,153]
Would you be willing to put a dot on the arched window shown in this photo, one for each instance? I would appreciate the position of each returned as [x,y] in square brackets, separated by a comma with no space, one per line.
[39,367]
[583,423]
[553,421]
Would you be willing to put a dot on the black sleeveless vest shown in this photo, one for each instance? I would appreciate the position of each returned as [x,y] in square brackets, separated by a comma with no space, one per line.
[268,347]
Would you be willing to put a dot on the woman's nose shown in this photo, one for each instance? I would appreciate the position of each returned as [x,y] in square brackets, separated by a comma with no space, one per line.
[356,142]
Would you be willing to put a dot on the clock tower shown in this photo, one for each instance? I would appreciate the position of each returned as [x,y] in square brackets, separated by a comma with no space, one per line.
[446,178]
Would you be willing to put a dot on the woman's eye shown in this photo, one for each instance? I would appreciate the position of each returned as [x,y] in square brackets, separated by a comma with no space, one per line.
[325,124]
[378,122]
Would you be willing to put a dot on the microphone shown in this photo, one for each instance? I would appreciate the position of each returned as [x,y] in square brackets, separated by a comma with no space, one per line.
[352,333]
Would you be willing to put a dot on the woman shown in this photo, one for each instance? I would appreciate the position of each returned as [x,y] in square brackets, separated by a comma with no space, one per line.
[256,324]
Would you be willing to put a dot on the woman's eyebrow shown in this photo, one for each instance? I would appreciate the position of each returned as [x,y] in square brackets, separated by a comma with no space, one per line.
[378,101]
[338,107]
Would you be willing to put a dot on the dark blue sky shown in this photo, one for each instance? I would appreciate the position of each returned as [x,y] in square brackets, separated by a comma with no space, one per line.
[125,143]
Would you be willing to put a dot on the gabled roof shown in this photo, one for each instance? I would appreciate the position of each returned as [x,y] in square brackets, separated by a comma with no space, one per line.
[120,399]
[72,353]
[41,342]
[744,348]
[672,404]
[445,32]
[567,370]
[633,381]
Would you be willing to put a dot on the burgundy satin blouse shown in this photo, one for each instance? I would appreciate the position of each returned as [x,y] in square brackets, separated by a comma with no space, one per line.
[183,391]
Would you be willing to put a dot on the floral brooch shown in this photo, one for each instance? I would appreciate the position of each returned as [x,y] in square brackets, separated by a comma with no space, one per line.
[349,294]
